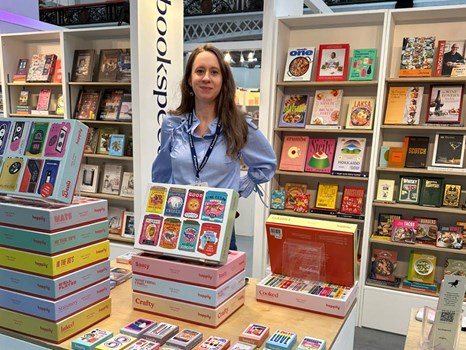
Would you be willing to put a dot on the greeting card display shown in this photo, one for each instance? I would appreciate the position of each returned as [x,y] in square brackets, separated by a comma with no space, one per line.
[333,62]
[42,157]
[299,64]
[188,221]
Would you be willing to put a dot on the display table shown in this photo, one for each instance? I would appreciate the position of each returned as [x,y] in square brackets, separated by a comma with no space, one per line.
[413,338]
[339,333]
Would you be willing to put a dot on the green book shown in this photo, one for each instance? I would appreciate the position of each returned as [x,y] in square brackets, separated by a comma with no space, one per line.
[431,192]
[363,64]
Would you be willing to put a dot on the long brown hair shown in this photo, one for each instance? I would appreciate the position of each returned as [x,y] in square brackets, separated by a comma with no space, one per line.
[234,125]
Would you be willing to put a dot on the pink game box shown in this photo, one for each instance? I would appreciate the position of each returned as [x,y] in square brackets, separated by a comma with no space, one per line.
[189,272]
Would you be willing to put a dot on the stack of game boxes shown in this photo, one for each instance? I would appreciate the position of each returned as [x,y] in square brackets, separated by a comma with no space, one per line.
[54,267]
[189,291]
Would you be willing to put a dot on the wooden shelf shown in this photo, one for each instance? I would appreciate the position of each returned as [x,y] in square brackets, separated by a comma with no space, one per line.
[315,216]
[400,289]
[419,208]
[424,127]
[34,84]
[419,246]
[422,171]
[321,175]
[117,238]
[105,156]
[426,80]
[110,122]
[107,196]
[326,130]
[342,84]
[37,115]
[100,83]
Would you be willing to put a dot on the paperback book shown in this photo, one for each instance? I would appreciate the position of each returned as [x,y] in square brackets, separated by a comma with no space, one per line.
[92,140]
[294,111]
[83,65]
[363,64]
[110,105]
[360,113]
[294,151]
[126,108]
[320,155]
[450,59]
[88,104]
[108,64]
[333,62]
[417,56]
[115,215]
[103,143]
[326,108]
[124,66]
[116,145]
[404,105]
[111,178]
[349,154]
[299,63]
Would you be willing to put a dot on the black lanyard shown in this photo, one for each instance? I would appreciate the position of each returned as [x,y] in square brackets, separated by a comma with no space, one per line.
[196,165]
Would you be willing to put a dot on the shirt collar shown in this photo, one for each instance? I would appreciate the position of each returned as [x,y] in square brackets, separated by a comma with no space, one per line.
[212,126]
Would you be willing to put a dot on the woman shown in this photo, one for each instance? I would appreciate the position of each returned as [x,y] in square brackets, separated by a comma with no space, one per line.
[204,138]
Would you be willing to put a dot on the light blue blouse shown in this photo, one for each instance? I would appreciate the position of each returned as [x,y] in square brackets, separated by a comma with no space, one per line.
[174,162]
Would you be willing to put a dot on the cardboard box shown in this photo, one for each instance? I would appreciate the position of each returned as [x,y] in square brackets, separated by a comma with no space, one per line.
[57,265]
[202,315]
[50,217]
[55,332]
[55,288]
[337,240]
[58,147]
[186,292]
[190,272]
[306,301]
[54,310]
[188,221]
[53,243]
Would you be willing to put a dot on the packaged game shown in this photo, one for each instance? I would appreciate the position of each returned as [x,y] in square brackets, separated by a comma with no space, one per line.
[144,344]
[138,327]
[186,339]
[281,340]
[91,339]
[311,343]
[161,332]
[214,343]
[254,334]
[119,341]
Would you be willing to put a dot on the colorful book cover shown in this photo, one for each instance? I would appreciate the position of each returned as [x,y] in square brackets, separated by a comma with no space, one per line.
[291,190]
[326,197]
[352,200]
[326,108]
[333,62]
[294,111]
[451,195]
[117,145]
[421,267]
[294,151]
[360,113]
[349,154]
[409,189]
[450,59]
[427,229]
[416,151]
[383,264]
[417,56]
[44,100]
[363,64]
[404,105]
[320,155]
[445,103]
[384,227]
[450,237]
[404,231]
[299,63]
[396,157]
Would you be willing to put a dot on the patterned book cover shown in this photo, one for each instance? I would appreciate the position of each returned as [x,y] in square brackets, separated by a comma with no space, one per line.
[349,154]
[417,56]
[320,155]
[326,108]
[363,64]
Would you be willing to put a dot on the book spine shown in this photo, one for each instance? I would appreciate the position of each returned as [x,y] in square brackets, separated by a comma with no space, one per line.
[439,63]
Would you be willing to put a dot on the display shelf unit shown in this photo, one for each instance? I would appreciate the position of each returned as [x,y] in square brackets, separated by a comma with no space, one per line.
[360,31]
[396,303]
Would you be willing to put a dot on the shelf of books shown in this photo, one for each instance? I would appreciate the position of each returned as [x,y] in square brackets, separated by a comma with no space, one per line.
[417,213]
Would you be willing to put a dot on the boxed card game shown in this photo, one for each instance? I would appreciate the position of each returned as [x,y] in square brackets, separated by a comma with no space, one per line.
[254,334]
[144,344]
[42,157]
[281,340]
[311,343]
[185,339]
[138,327]
[161,332]
[214,343]
[91,339]
[242,346]
[188,221]
[119,341]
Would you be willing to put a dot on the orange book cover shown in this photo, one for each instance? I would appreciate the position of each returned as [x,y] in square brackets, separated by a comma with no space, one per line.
[58,75]
[294,152]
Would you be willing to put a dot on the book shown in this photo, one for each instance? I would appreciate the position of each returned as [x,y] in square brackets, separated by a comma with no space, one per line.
[363,64]
[89,178]
[108,64]
[326,108]
[41,68]
[92,140]
[58,74]
[291,190]
[421,267]
[333,62]
[352,200]
[103,143]
[49,68]
[60,106]
[450,58]
[360,113]
[455,267]
[431,192]
[384,226]
[385,190]
[417,56]
[416,151]
[277,200]
[426,231]
[349,154]
[383,264]
[127,225]
[127,185]
[87,104]
[396,157]
[120,275]
[320,155]
[302,201]
[404,231]
[116,145]
[299,61]
[109,108]
[445,103]
[21,70]
[449,150]
[23,106]
[409,189]
[294,111]
[43,101]
[111,178]
[450,237]
[126,108]
[294,151]
[404,105]
[420,287]
[451,195]
[326,197]
[383,156]
[124,66]
[83,65]
[115,216]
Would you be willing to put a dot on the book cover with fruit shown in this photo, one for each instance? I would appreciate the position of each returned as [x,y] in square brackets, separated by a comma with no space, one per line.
[360,113]
[404,105]
[294,151]
[417,56]
[349,154]
[326,108]
[352,200]
[320,155]
[363,64]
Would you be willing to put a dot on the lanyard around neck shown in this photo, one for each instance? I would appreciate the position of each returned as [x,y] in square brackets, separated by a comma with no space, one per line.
[198,167]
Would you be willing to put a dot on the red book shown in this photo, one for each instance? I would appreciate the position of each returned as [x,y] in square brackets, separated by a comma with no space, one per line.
[57,75]
[320,155]
[294,152]
[333,62]
[352,200]
[44,100]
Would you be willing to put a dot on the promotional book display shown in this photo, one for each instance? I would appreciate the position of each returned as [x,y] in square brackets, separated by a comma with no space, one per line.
[54,267]
[41,157]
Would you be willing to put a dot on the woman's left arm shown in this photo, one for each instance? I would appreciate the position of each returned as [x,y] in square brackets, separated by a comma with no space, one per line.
[260,158]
